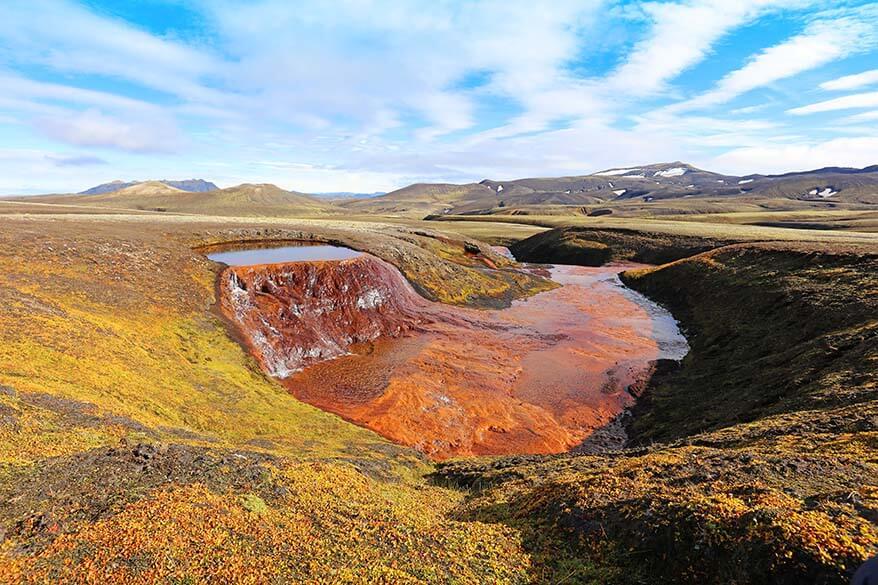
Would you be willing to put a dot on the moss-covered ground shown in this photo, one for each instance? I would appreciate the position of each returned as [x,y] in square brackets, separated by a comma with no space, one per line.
[139,443]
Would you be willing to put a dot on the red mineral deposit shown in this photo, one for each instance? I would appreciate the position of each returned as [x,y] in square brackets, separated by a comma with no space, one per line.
[352,337]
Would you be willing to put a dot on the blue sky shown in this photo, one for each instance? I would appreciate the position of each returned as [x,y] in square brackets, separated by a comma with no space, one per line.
[366,95]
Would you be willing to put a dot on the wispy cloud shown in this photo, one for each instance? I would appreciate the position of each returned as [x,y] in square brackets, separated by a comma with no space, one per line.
[848,102]
[66,36]
[75,160]
[16,86]
[822,41]
[864,117]
[682,35]
[767,158]
[92,128]
[379,57]
[855,81]
[380,93]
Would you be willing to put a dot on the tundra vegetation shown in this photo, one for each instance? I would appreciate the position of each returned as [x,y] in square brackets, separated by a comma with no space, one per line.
[139,442]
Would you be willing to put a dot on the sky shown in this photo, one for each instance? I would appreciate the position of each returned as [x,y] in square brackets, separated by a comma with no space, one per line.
[372,95]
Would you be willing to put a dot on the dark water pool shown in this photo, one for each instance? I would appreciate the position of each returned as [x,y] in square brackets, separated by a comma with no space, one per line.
[240,256]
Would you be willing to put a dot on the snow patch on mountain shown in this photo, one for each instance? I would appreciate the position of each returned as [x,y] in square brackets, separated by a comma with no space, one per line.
[673,172]
[616,172]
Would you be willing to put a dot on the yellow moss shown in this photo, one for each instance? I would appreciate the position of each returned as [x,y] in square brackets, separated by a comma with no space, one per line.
[162,367]
[334,525]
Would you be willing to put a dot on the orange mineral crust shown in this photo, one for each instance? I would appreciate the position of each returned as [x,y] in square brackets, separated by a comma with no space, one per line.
[535,378]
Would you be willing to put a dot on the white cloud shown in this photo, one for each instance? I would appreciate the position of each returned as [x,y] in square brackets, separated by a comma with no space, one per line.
[27,171]
[377,56]
[694,133]
[848,102]
[748,110]
[367,94]
[65,36]
[821,42]
[864,117]
[79,116]
[851,81]
[682,35]
[82,160]
[770,158]
[447,112]
[93,128]
[15,86]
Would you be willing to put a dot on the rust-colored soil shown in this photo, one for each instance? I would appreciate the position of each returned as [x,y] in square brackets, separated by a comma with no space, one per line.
[535,378]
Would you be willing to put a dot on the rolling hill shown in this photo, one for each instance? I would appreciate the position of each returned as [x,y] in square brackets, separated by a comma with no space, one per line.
[664,189]
[246,200]
[194,185]
[423,199]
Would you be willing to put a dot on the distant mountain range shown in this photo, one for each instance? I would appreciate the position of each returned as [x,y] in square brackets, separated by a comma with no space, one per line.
[202,186]
[641,185]
[665,188]
[191,185]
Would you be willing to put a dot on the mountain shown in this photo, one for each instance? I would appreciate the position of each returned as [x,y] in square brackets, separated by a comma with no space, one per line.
[645,190]
[247,200]
[107,187]
[192,185]
[423,199]
[638,187]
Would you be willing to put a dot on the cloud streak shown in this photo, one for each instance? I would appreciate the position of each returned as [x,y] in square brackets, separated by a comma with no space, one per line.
[75,160]
[822,42]
[848,102]
[93,128]
[851,81]
[682,35]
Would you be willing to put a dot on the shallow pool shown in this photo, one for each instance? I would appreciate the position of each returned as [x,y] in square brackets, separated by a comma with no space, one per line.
[304,252]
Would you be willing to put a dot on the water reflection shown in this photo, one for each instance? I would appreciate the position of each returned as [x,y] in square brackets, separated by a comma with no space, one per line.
[295,252]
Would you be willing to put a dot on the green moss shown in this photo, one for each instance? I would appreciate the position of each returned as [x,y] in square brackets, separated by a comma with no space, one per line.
[773,330]
[254,504]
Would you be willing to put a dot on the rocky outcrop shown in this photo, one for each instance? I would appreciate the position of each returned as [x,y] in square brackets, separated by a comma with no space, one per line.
[301,313]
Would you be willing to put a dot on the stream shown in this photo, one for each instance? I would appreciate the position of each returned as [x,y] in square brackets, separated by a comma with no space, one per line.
[349,335]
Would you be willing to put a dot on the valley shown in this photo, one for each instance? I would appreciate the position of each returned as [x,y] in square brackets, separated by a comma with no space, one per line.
[438,293]
[402,384]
